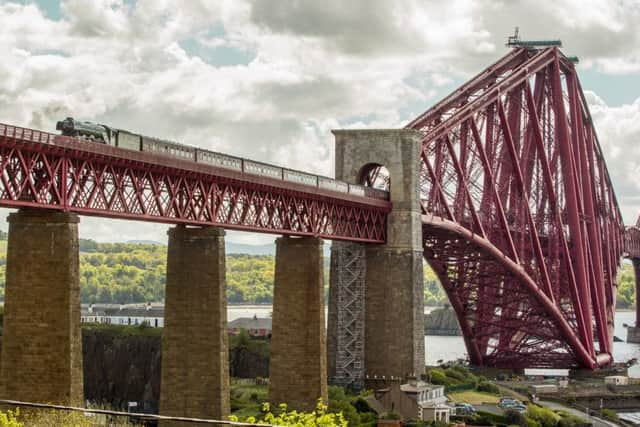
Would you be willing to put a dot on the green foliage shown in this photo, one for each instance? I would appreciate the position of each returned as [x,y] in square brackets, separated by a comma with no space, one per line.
[610,415]
[321,417]
[483,418]
[254,345]
[626,295]
[454,378]
[353,407]
[438,376]
[123,330]
[247,399]
[514,417]
[250,278]
[340,403]
[8,419]
[546,417]
[48,418]
[124,273]
[433,293]
[488,387]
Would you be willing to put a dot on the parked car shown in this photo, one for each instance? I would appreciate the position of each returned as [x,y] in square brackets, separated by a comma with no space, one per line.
[465,409]
[519,408]
[508,402]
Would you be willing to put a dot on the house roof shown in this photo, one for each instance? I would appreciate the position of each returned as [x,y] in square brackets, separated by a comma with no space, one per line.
[543,372]
[415,387]
[434,405]
[251,323]
[128,310]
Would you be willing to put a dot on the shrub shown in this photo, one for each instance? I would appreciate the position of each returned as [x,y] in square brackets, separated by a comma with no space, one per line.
[483,418]
[610,415]
[514,417]
[8,419]
[318,418]
[488,387]
[391,416]
[455,374]
[438,377]
[546,417]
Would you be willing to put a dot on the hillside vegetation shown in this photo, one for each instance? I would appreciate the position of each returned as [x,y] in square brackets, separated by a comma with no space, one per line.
[135,273]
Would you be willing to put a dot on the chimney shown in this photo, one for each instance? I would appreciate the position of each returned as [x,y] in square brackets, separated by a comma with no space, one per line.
[148,306]
[90,310]
[121,307]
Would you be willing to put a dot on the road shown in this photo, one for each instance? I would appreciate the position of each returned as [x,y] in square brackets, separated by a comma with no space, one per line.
[597,422]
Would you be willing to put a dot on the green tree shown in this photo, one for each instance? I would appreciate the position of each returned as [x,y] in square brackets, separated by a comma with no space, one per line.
[321,417]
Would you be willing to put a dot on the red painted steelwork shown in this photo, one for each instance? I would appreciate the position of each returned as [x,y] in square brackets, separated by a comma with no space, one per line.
[521,222]
[632,251]
[43,170]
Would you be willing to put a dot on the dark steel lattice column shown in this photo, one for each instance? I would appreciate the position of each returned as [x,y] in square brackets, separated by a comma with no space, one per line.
[347,287]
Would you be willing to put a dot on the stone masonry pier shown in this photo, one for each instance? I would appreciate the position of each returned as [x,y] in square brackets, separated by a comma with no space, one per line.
[298,373]
[195,371]
[393,310]
[42,346]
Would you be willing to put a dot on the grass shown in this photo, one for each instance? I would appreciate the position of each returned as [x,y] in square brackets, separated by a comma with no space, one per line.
[247,400]
[473,397]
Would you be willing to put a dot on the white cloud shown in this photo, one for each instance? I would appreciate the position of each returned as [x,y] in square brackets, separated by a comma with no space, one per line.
[619,132]
[311,67]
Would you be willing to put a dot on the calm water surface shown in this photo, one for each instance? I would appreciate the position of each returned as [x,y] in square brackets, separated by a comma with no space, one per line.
[452,348]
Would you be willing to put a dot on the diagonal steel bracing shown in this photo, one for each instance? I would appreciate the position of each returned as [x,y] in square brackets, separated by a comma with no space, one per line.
[521,222]
[41,170]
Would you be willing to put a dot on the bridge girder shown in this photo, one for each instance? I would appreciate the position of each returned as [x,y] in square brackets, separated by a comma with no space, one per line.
[513,161]
[42,170]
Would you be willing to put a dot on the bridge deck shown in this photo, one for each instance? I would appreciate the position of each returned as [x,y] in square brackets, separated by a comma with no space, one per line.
[43,170]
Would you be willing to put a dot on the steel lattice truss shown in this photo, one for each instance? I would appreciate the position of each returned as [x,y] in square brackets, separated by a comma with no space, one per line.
[349,268]
[42,170]
[521,222]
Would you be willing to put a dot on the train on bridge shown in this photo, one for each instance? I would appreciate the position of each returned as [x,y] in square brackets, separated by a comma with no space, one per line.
[104,134]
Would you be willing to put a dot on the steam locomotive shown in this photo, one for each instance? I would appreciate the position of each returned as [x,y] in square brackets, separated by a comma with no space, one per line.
[99,133]
[124,139]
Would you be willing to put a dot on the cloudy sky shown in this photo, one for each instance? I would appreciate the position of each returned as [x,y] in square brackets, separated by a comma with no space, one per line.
[268,80]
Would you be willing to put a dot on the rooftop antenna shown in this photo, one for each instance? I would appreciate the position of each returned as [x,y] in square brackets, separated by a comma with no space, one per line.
[515,42]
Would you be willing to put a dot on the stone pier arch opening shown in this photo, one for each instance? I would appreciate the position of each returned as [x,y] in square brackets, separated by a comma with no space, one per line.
[386,279]
[375,175]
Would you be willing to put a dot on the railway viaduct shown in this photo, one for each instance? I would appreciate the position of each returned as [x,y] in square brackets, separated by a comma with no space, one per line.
[501,187]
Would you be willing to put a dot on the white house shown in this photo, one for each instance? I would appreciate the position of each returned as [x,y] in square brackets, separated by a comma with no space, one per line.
[255,326]
[616,380]
[130,314]
[416,400]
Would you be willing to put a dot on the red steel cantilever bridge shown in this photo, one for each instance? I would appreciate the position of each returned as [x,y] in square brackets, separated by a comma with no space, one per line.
[520,221]
[43,170]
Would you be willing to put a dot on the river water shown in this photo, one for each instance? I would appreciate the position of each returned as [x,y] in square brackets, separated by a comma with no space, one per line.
[444,349]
